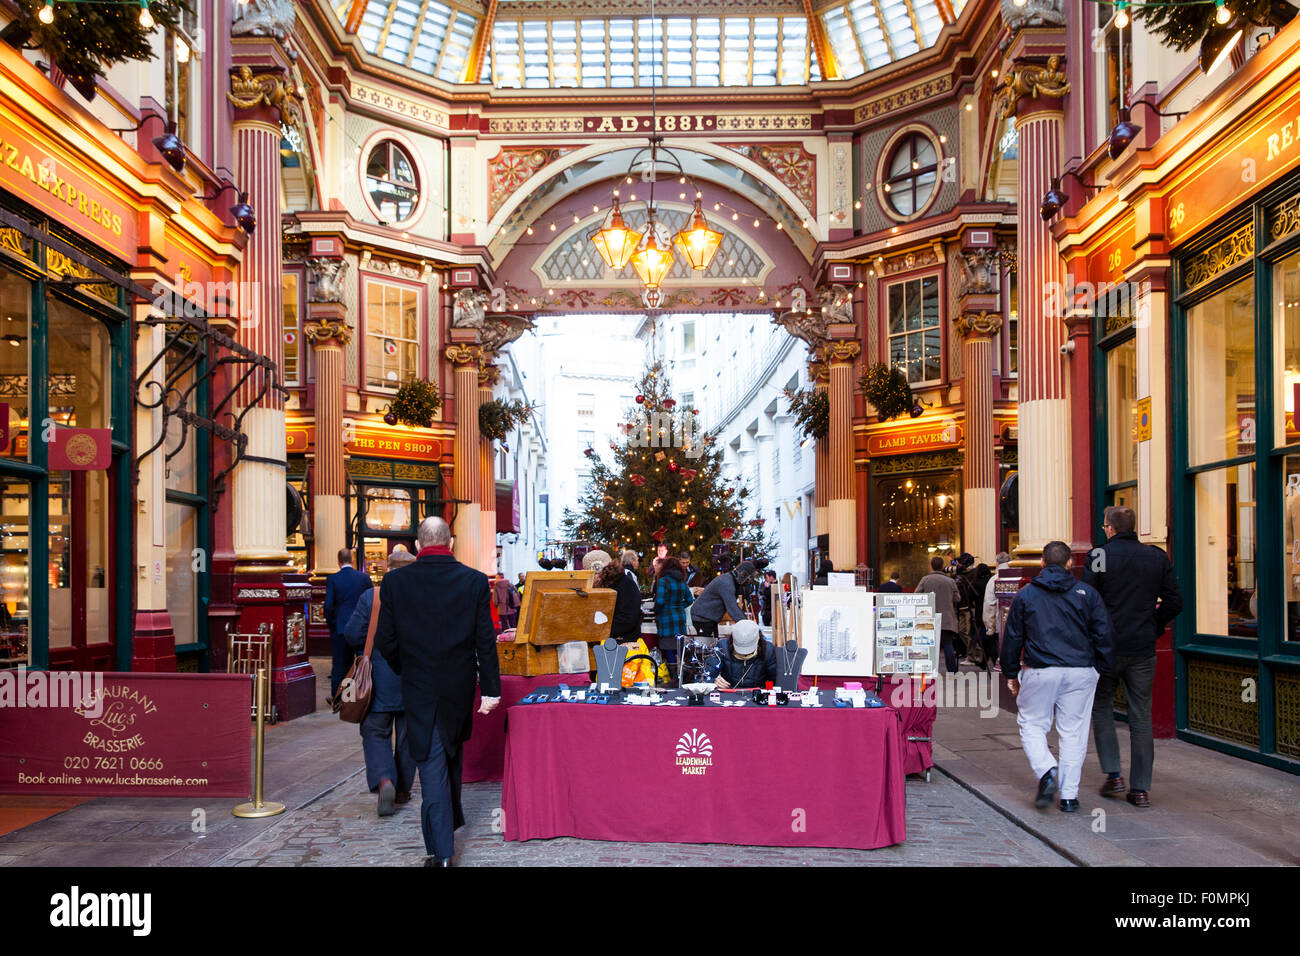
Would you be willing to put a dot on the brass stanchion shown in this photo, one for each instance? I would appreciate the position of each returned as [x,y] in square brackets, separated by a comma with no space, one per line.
[258,808]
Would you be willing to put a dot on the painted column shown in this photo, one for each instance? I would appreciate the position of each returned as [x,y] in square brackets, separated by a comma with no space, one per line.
[1044,406]
[488,374]
[328,332]
[466,476]
[269,594]
[820,373]
[979,467]
[842,506]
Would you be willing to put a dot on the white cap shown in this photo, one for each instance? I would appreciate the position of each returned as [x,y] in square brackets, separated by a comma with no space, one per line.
[745,637]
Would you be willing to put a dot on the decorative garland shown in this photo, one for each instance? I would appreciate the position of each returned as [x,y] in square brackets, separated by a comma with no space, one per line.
[1183,25]
[497,418]
[887,388]
[416,402]
[811,408]
[86,38]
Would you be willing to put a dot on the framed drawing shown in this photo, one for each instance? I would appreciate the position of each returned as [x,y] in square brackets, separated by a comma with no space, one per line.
[907,635]
[837,631]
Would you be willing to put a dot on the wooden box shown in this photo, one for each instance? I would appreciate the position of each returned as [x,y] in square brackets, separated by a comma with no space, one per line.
[553,613]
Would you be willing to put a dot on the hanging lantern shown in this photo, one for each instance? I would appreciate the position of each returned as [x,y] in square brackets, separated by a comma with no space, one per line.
[652,261]
[615,240]
[696,241]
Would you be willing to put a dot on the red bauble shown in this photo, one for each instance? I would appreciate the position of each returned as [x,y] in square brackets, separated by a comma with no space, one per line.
[727,533]
[673,466]
[669,403]
[660,534]
[640,399]
[637,480]
[589,452]
[690,525]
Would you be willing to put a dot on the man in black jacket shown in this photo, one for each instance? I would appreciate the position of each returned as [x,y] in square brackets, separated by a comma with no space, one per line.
[1137,583]
[1063,629]
[435,631]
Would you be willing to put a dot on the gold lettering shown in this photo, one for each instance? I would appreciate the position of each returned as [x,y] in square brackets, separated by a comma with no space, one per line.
[117,225]
[27,169]
[1272,146]
[606,125]
[1287,136]
[11,156]
[629,124]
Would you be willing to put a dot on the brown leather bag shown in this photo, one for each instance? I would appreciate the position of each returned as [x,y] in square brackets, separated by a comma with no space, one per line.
[352,702]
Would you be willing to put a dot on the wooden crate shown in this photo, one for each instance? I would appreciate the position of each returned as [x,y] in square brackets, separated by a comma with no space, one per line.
[531,660]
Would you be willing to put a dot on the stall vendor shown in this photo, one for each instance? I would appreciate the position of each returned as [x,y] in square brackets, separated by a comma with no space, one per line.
[743,660]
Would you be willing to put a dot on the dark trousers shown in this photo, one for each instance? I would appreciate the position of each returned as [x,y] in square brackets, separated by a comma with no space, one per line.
[343,655]
[439,782]
[1138,675]
[384,759]
[705,628]
[948,643]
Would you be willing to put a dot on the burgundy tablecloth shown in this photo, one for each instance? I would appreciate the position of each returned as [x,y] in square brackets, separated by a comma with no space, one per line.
[485,752]
[759,776]
[901,693]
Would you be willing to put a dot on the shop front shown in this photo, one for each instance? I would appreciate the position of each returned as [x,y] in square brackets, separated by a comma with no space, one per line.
[1193,295]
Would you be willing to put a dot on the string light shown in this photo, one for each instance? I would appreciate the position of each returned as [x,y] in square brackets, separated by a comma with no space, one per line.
[1121,17]
[1221,13]
[47,12]
[146,18]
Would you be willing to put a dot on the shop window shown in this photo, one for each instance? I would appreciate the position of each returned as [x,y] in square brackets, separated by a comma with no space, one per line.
[182,579]
[15,572]
[1221,376]
[1117,57]
[1122,414]
[911,174]
[1012,328]
[915,330]
[181,58]
[392,334]
[920,516]
[15,356]
[1286,405]
[1226,601]
[391,182]
[289,286]
[388,509]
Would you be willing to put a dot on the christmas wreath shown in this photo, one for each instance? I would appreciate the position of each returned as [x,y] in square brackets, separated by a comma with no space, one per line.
[887,388]
[811,409]
[416,402]
[498,417]
[83,39]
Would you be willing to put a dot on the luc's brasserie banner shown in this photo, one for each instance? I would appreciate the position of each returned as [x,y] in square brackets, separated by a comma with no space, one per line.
[82,733]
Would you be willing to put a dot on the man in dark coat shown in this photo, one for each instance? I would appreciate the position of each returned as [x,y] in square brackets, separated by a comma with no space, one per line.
[1137,583]
[1063,629]
[719,598]
[435,631]
[342,588]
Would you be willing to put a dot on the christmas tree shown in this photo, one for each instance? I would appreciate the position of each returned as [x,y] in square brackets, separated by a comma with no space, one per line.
[1183,25]
[665,487]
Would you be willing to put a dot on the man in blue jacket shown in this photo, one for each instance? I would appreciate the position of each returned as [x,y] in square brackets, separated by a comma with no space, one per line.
[342,588]
[1062,627]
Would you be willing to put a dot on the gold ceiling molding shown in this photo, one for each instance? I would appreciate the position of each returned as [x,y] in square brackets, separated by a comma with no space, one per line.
[901,99]
[602,9]
[398,105]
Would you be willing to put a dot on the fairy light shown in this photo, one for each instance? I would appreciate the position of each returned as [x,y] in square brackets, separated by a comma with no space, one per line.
[47,12]
[146,18]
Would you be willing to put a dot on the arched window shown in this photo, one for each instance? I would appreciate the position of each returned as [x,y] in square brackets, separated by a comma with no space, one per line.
[391,182]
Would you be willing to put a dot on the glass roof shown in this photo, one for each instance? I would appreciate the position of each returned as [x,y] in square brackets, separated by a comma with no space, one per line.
[535,46]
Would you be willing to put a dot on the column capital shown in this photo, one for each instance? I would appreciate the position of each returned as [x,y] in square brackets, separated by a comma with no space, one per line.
[271,87]
[322,333]
[819,371]
[974,325]
[1032,87]
[488,372]
[842,352]
[462,355]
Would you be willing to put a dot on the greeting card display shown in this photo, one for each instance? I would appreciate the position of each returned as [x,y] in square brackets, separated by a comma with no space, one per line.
[906,634]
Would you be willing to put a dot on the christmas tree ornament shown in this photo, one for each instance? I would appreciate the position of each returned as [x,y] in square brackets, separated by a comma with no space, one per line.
[637,480]
[688,474]
[660,456]
[669,403]
[660,534]
[640,399]
[659,503]
[589,452]
[673,466]
[692,525]
[727,533]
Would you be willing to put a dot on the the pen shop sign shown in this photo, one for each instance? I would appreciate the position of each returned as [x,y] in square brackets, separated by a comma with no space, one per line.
[664,123]
[91,734]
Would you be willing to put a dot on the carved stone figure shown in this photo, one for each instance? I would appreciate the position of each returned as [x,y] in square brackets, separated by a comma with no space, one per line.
[469,309]
[263,18]
[1029,80]
[327,276]
[808,326]
[500,330]
[1033,13]
[979,272]
[837,304]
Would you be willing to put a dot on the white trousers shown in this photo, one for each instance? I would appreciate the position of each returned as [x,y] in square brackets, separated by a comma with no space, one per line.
[1063,693]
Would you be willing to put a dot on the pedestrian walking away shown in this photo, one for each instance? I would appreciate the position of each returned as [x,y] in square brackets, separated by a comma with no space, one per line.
[435,631]
[1056,640]
[342,589]
[946,598]
[1137,583]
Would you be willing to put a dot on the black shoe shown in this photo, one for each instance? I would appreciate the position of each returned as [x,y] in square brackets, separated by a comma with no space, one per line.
[387,798]
[1046,789]
[1069,806]
[437,861]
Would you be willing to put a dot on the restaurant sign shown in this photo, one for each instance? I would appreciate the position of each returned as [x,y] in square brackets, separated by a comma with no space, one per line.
[91,734]
[1269,147]
[914,438]
[384,441]
[59,189]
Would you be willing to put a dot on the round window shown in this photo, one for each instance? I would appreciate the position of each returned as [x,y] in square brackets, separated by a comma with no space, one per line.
[391,182]
[911,174]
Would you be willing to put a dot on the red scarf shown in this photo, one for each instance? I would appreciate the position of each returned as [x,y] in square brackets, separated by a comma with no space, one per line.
[434,549]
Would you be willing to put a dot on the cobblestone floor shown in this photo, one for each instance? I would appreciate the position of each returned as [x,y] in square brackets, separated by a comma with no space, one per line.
[945,826]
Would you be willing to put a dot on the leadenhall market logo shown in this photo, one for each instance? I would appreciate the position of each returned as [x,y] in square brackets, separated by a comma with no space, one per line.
[694,753]
[113,717]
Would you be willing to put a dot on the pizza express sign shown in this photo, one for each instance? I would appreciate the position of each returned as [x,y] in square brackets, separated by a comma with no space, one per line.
[665,123]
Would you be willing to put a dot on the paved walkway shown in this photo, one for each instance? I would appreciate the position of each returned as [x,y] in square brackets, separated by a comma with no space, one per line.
[977,811]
